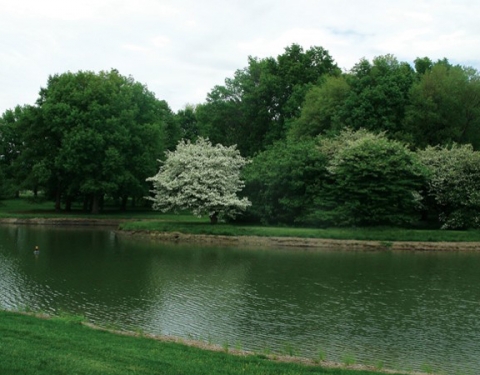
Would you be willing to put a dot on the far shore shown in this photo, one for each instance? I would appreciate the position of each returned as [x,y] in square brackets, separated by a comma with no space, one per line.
[253,241]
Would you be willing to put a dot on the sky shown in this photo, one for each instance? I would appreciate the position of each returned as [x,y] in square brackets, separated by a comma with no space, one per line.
[181,49]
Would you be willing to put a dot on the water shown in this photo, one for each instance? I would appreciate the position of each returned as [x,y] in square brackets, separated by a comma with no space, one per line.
[408,311]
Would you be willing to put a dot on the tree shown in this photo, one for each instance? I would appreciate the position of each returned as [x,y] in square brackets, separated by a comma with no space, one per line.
[186,120]
[321,110]
[255,107]
[201,178]
[373,181]
[378,96]
[283,182]
[99,134]
[445,107]
[17,156]
[454,177]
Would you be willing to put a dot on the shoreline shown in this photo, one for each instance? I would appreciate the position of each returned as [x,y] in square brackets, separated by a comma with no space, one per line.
[327,364]
[308,244]
[63,221]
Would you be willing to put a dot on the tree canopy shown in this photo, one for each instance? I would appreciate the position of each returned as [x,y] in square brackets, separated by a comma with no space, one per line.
[454,177]
[327,146]
[90,134]
[201,178]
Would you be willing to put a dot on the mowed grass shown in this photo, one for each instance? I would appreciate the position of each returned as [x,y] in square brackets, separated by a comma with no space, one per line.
[28,207]
[35,346]
[145,219]
[368,234]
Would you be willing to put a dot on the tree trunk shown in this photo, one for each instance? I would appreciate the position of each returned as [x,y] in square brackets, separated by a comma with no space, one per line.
[96,204]
[123,204]
[214,218]
[68,204]
[58,201]
[86,203]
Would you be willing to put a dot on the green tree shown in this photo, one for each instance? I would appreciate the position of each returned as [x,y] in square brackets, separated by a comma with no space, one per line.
[372,181]
[255,108]
[321,111]
[283,182]
[454,177]
[378,96]
[445,107]
[187,123]
[17,157]
[201,178]
[100,134]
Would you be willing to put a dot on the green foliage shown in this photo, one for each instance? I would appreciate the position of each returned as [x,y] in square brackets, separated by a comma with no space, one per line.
[201,178]
[90,135]
[379,95]
[253,109]
[321,110]
[454,177]
[373,181]
[444,106]
[187,123]
[282,182]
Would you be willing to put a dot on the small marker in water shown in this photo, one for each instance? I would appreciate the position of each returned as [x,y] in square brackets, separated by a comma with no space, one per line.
[36,251]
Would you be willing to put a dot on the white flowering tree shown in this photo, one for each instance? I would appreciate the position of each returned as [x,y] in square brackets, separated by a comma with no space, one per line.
[201,178]
[454,184]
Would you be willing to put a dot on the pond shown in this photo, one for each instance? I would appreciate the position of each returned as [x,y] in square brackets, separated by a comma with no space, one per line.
[403,310]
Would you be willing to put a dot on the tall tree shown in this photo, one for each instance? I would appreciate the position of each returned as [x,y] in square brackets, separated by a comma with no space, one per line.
[101,135]
[445,106]
[255,108]
[187,122]
[379,95]
[18,157]
[321,111]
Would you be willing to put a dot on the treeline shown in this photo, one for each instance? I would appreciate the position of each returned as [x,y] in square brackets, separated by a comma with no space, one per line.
[386,142]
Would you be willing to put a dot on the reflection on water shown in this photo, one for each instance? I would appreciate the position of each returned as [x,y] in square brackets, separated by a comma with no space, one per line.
[407,310]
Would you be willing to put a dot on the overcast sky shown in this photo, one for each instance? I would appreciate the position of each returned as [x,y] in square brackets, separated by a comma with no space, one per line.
[182,48]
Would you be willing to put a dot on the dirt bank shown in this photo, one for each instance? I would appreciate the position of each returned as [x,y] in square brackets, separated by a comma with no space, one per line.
[306,243]
[63,221]
[253,241]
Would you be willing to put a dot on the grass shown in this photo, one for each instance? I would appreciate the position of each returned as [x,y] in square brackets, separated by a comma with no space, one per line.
[384,234]
[34,346]
[142,219]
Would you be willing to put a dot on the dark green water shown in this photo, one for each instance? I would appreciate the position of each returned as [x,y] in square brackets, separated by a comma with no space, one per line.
[410,311]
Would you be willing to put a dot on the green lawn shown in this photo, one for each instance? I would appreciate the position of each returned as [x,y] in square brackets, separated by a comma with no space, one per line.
[34,346]
[144,219]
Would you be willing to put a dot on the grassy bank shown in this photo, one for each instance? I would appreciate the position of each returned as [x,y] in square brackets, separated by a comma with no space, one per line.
[367,234]
[141,219]
[34,346]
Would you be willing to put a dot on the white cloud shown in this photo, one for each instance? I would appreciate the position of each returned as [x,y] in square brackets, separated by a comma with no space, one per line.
[182,48]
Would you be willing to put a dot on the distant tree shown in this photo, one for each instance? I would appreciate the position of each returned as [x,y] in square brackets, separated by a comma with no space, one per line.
[423,65]
[378,96]
[321,111]
[283,182]
[201,178]
[16,156]
[445,107]
[187,122]
[255,107]
[454,177]
[372,181]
